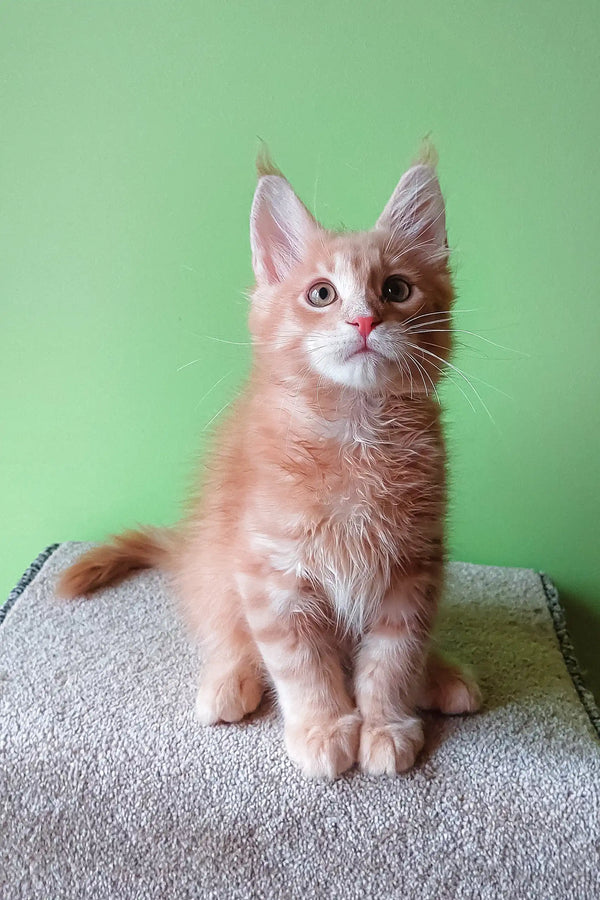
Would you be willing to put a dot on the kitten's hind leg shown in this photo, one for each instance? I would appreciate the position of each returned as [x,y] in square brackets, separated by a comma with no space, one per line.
[447,687]
[232,673]
[231,680]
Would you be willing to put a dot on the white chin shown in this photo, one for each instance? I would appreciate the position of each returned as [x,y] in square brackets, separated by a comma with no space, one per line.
[361,371]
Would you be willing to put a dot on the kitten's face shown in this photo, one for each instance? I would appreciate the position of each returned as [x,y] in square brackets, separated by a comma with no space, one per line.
[367,310]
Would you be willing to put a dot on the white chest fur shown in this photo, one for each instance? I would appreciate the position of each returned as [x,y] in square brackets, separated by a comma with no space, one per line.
[347,554]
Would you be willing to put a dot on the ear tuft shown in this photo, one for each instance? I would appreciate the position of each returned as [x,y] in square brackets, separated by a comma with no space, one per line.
[428,155]
[264,162]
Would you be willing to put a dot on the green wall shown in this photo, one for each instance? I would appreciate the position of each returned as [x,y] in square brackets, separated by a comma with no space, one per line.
[126,174]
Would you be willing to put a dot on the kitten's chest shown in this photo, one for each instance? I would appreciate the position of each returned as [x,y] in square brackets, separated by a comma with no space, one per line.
[362,484]
[362,525]
[351,513]
[363,495]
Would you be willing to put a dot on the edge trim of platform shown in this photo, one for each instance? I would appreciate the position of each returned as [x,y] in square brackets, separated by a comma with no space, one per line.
[33,570]
[568,651]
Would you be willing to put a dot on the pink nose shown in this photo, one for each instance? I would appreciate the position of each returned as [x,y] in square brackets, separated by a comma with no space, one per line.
[365,325]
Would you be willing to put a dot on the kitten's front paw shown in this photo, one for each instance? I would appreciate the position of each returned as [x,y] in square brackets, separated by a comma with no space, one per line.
[386,749]
[228,698]
[326,749]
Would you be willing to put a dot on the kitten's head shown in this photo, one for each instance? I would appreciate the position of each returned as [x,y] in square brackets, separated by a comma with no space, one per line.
[367,310]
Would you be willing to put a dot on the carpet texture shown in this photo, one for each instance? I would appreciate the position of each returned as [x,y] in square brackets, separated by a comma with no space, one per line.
[109,789]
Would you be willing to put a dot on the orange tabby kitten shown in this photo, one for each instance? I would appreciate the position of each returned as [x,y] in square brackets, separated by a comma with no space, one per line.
[314,558]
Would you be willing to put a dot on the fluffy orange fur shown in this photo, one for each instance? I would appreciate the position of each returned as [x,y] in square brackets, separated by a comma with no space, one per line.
[313,558]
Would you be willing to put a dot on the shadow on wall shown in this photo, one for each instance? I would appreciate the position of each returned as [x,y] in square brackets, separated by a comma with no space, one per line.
[583,624]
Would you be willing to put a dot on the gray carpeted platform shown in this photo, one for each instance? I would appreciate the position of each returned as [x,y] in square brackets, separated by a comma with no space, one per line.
[109,789]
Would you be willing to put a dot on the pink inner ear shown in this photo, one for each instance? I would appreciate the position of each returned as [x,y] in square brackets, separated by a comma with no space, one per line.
[280,228]
[416,208]
[269,247]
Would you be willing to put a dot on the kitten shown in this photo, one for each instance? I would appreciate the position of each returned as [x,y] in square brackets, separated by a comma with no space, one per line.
[314,558]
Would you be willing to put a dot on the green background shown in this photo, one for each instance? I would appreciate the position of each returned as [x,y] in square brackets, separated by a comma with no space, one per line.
[129,132]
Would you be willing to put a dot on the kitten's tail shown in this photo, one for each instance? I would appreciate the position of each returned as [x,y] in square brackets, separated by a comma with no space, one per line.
[110,563]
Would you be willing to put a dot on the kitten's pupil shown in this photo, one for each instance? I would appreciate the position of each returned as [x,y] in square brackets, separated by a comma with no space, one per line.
[323,293]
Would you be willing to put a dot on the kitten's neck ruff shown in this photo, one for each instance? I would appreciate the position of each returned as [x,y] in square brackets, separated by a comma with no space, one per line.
[307,408]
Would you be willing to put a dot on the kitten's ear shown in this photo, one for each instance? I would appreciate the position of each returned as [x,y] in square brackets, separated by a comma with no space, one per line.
[416,210]
[280,228]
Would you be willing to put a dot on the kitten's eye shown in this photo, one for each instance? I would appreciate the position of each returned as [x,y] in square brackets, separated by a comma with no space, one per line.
[321,294]
[396,289]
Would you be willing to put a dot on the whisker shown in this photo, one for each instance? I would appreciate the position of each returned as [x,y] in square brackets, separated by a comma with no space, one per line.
[191,363]
[472,333]
[456,384]
[480,352]
[419,317]
[211,389]
[423,373]
[445,314]
[462,375]
[209,337]
[417,323]
[217,414]
[492,387]
[266,346]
